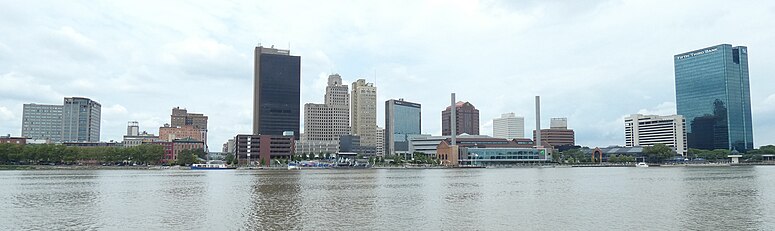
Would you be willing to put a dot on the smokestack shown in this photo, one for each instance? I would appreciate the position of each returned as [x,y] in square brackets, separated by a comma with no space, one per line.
[538,121]
[453,119]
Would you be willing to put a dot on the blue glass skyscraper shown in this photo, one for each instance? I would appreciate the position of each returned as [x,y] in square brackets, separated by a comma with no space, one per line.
[713,94]
[402,119]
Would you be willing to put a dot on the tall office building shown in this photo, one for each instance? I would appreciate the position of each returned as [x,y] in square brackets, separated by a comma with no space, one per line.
[380,141]
[648,130]
[276,92]
[40,121]
[81,120]
[509,126]
[364,112]
[467,117]
[330,120]
[713,95]
[402,119]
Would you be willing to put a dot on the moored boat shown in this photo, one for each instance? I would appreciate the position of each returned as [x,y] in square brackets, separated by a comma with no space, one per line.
[212,165]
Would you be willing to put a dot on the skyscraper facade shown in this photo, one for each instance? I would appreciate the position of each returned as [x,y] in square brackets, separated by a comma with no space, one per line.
[330,120]
[467,117]
[276,92]
[713,95]
[81,120]
[509,126]
[648,130]
[380,142]
[364,112]
[40,121]
[402,119]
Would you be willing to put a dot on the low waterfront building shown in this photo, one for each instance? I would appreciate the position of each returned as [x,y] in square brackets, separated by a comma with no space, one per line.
[92,144]
[257,149]
[12,140]
[428,144]
[186,144]
[503,156]
[316,147]
[636,151]
[169,151]
[514,152]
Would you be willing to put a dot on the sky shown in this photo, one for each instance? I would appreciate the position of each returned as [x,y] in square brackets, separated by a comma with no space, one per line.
[593,62]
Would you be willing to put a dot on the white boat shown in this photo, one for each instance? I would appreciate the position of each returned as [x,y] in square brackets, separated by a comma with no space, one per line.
[212,165]
[642,165]
[292,166]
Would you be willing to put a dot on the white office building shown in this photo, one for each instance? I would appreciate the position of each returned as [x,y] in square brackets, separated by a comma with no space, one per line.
[364,112]
[380,141]
[647,130]
[325,123]
[508,126]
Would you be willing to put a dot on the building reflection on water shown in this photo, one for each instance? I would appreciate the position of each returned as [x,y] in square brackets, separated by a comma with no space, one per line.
[275,201]
[721,200]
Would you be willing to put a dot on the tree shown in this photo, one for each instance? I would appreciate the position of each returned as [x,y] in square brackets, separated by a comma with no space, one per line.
[230,159]
[659,152]
[187,157]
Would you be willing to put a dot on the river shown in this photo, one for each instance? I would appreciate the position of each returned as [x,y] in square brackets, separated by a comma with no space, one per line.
[657,198]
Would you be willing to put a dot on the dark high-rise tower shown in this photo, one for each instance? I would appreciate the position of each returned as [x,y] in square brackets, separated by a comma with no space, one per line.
[467,117]
[276,92]
[402,120]
[713,95]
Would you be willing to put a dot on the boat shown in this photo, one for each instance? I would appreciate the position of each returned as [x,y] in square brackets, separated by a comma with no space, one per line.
[642,165]
[212,165]
[292,166]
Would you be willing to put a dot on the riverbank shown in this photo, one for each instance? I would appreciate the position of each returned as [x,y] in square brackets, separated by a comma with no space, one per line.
[156,167]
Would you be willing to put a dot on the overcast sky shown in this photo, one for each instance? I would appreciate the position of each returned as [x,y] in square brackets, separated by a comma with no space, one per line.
[591,61]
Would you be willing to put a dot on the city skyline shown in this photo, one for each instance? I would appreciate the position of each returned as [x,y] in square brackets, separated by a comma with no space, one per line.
[207,59]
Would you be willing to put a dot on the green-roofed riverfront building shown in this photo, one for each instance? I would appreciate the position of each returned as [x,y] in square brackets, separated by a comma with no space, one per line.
[713,95]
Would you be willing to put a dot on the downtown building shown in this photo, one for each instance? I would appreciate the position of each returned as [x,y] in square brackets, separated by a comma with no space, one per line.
[325,123]
[40,121]
[81,120]
[180,117]
[467,117]
[77,120]
[380,142]
[509,126]
[134,137]
[364,115]
[558,134]
[648,130]
[276,92]
[262,149]
[713,95]
[403,119]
